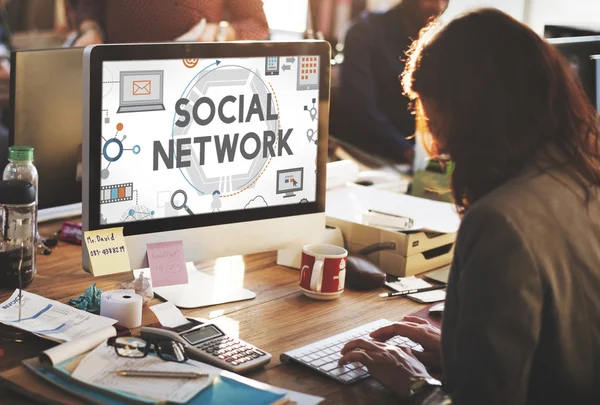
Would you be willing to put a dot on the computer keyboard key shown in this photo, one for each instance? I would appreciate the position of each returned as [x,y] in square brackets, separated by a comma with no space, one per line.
[318,363]
[354,374]
[346,377]
[339,370]
[329,366]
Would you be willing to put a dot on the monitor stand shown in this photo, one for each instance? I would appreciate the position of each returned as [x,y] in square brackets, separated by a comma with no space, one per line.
[290,194]
[203,289]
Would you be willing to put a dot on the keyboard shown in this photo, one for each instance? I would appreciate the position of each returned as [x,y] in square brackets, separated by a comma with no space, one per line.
[323,355]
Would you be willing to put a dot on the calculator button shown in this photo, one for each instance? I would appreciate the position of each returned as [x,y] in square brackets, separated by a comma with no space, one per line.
[254,356]
[215,354]
[234,363]
[222,357]
[242,360]
[229,360]
[258,352]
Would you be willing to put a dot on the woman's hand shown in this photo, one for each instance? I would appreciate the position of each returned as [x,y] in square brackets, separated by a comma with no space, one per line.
[420,331]
[392,366]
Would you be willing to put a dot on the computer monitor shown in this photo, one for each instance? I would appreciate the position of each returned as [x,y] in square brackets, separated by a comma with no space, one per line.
[210,168]
[46,111]
[578,51]
[597,62]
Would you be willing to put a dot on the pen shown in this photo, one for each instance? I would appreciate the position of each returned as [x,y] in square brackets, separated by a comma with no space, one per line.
[161,374]
[389,214]
[415,290]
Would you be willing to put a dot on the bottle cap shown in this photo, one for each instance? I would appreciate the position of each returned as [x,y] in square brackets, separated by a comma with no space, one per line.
[16,192]
[18,153]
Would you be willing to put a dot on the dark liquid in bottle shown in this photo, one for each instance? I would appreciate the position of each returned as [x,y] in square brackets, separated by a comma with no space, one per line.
[9,268]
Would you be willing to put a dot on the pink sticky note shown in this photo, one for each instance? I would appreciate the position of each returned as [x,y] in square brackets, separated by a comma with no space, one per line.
[167,263]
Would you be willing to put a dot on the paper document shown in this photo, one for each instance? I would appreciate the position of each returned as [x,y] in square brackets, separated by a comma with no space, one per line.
[50,319]
[168,315]
[68,350]
[351,202]
[99,368]
[407,283]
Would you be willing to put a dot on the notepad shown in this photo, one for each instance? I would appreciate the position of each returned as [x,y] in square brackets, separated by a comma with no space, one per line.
[407,283]
[427,297]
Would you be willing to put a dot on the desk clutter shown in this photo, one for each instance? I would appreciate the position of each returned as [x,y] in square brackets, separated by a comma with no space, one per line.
[96,366]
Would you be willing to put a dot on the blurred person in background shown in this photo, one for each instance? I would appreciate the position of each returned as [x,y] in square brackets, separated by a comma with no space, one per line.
[373,113]
[117,21]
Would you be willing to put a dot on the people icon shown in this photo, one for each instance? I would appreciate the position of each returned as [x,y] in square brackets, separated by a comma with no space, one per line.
[216,202]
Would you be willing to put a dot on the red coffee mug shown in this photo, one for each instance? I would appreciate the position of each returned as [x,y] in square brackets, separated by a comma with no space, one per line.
[323,271]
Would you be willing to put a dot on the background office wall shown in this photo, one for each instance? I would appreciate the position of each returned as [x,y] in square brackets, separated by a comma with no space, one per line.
[514,8]
[535,13]
[573,13]
[457,7]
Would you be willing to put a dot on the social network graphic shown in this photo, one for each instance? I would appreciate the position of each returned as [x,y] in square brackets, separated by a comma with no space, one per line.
[191,137]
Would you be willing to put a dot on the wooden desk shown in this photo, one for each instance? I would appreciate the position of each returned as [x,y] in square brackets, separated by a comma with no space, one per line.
[280,318]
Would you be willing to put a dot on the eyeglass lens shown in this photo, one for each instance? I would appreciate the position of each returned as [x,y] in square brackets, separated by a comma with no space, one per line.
[171,350]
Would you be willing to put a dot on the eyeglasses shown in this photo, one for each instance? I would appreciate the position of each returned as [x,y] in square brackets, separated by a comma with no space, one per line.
[134,347]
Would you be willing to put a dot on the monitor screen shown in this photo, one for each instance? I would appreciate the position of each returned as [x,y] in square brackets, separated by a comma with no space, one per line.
[197,136]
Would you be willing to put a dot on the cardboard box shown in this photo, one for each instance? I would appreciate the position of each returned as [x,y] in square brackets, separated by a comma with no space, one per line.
[430,246]
[415,253]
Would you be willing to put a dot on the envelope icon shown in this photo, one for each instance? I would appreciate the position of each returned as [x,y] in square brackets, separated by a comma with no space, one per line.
[142,87]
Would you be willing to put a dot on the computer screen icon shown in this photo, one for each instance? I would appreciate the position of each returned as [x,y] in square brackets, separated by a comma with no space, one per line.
[141,91]
[289,181]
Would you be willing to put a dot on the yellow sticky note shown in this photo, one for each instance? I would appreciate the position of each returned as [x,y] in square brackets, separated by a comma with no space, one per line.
[108,251]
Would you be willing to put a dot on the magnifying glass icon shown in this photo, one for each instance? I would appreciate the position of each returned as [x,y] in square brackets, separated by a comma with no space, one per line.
[183,204]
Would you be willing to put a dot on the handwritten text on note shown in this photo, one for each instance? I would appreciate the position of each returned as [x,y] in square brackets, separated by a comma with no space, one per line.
[167,263]
[108,251]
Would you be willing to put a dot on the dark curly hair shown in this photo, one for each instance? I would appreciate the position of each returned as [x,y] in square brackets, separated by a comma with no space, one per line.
[496,95]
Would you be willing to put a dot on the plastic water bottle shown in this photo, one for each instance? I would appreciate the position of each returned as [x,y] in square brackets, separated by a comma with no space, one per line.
[20,167]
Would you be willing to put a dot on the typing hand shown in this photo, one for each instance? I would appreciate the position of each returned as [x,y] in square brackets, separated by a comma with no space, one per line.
[392,366]
[420,331]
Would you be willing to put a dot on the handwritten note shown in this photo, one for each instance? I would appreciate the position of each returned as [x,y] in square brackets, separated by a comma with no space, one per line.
[167,263]
[108,251]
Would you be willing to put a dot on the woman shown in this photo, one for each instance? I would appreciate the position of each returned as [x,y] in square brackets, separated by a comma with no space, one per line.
[522,317]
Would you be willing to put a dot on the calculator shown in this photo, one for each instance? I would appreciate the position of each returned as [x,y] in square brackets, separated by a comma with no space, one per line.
[207,343]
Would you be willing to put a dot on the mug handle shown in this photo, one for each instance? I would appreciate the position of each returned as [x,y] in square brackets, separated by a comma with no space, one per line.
[316,278]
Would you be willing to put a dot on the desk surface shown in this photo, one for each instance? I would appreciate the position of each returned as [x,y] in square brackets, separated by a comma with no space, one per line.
[280,318]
